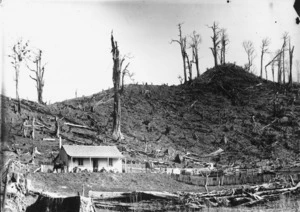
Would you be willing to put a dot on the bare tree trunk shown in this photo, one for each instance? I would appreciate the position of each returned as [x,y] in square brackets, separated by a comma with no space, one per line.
[273,70]
[117,115]
[298,70]
[20,51]
[189,64]
[285,37]
[197,68]
[39,76]
[184,68]
[279,70]
[261,64]
[216,41]
[182,43]
[224,54]
[195,41]
[116,132]
[17,94]
[291,51]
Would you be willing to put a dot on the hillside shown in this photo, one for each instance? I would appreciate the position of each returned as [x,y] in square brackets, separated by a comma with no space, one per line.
[225,108]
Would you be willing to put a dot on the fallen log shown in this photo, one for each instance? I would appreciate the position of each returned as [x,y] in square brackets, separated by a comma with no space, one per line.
[277,191]
[49,139]
[141,195]
[77,125]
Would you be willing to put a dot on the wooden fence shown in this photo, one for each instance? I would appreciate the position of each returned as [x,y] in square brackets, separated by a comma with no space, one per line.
[233,179]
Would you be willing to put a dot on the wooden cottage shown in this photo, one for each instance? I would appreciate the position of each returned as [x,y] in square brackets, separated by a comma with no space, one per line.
[91,158]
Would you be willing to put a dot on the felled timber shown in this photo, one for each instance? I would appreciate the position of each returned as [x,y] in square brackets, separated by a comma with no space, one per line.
[247,197]
[123,196]
[78,126]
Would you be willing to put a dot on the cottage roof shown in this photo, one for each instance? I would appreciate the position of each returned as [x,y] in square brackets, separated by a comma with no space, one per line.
[92,151]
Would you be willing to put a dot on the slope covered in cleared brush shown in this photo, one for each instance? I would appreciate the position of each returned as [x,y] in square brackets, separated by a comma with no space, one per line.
[226,108]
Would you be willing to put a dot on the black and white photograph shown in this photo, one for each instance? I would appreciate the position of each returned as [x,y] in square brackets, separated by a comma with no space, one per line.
[150,105]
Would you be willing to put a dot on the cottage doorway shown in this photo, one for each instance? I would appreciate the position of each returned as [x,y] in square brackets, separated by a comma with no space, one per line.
[95,165]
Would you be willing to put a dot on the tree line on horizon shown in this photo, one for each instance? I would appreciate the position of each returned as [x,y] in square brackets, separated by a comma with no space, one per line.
[281,58]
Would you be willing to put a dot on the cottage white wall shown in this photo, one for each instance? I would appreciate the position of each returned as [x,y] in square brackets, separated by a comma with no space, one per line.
[117,164]
[102,163]
[87,164]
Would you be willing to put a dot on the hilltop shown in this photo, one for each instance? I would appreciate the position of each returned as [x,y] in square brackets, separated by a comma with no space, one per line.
[226,107]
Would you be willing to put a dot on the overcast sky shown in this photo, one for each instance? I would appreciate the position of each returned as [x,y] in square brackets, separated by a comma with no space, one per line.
[75,38]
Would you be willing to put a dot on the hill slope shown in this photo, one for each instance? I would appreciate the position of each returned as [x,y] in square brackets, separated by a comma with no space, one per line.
[226,107]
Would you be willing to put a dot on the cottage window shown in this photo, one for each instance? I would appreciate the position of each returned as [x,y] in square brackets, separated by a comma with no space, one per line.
[110,162]
[80,161]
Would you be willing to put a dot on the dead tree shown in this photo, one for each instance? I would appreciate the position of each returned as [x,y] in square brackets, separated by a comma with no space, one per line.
[20,51]
[285,37]
[224,43]
[264,49]
[216,41]
[273,70]
[195,41]
[250,51]
[117,72]
[277,59]
[279,68]
[189,65]
[182,43]
[298,70]
[39,74]
[291,51]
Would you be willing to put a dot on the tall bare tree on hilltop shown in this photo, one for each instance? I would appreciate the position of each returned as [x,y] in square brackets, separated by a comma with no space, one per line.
[285,38]
[216,41]
[39,71]
[264,49]
[195,42]
[118,87]
[224,43]
[19,54]
[291,51]
[182,43]
[250,51]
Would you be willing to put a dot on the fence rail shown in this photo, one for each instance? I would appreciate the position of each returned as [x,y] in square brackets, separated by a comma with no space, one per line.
[232,179]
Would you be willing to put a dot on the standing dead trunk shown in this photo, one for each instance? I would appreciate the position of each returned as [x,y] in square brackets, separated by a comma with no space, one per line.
[182,43]
[264,49]
[284,37]
[250,51]
[17,93]
[20,52]
[279,69]
[39,75]
[298,70]
[291,51]
[196,40]
[189,64]
[216,41]
[272,66]
[224,43]
[116,132]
